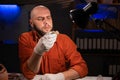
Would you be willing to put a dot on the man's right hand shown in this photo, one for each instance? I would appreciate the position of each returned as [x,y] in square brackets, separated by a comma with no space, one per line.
[45,43]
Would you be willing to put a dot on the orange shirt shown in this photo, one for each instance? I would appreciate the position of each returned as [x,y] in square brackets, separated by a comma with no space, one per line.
[61,57]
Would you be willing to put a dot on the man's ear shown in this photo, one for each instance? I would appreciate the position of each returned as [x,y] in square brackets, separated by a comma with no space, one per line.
[31,23]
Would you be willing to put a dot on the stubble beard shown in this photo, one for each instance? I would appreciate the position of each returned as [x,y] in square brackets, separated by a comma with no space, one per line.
[40,32]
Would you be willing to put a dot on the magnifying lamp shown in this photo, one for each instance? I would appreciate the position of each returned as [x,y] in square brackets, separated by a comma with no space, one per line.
[81,16]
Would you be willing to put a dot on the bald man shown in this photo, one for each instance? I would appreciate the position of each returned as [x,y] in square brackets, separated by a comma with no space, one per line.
[48,53]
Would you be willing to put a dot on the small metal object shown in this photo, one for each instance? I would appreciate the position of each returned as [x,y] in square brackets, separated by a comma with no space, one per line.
[52,32]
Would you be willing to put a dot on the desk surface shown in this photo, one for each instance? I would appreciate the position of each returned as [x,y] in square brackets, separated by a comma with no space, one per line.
[85,78]
[18,76]
[95,78]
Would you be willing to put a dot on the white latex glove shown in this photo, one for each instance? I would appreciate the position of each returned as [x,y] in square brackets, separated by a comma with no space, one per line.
[45,43]
[37,77]
[58,76]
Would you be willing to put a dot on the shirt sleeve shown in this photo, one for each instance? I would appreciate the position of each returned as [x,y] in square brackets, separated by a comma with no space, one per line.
[25,51]
[74,57]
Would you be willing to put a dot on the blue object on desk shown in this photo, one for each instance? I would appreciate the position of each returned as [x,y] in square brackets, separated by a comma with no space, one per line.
[92,30]
[9,42]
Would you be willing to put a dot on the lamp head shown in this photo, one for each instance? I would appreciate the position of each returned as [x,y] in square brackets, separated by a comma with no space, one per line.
[81,16]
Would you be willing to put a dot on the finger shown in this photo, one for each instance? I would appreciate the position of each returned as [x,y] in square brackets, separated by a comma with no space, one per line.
[43,77]
[47,36]
[57,32]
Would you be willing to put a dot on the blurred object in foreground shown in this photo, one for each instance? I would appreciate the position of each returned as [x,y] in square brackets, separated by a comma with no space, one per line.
[3,72]
[16,76]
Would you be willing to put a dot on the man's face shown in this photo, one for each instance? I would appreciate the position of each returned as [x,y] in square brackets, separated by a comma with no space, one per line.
[41,20]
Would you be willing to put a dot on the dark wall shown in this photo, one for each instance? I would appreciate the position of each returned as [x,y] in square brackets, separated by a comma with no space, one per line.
[9,57]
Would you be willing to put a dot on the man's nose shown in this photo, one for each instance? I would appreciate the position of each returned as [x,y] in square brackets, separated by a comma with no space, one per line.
[45,21]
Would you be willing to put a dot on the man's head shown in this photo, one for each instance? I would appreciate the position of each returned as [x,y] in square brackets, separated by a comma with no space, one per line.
[40,19]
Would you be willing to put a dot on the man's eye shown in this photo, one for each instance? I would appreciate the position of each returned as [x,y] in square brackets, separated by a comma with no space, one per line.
[49,17]
[40,19]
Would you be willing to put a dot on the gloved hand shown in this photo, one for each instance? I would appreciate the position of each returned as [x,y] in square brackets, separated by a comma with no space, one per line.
[58,76]
[37,77]
[46,42]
